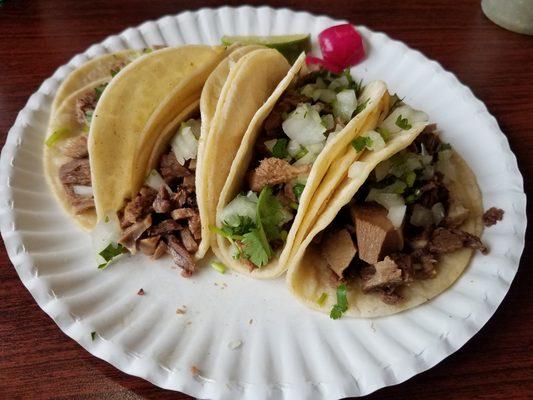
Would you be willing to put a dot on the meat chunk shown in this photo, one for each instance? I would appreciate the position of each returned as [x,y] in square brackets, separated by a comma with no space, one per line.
[492,216]
[195,226]
[421,239]
[425,264]
[171,169]
[162,203]
[84,104]
[338,250]
[134,232]
[149,245]
[434,191]
[160,250]
[403,261]
[272,171]
[138,207]
[183,213]
[387,274]
[76,172]
[430,140]
[82,204]
[456,216]
[180,255]
[376,236]
[446,240]
[75,147]
[188,182]
[390,297]
[166,226]
[188,240]
[179,198]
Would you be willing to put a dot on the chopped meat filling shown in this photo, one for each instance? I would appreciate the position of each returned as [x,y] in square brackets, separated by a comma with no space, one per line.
[84,104]
[76,172]
[75,147]
[171,170]
[180,255]
[272,171]
[492,216]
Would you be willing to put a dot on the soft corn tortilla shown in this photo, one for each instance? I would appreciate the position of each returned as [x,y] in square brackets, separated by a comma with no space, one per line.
[89,72]
[250,82]
[65,118]
[375,93]
[309,276]
[135,108]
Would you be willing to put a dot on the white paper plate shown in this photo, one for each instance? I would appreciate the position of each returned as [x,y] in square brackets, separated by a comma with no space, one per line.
[286,351]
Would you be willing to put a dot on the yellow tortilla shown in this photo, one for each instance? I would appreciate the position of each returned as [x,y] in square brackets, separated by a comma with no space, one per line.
[136,106]
[53,159]
[250,82]
[309,276]
[375,93]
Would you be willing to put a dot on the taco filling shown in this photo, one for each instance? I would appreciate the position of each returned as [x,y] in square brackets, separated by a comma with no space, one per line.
[400,222]
[163,217]
[305,117]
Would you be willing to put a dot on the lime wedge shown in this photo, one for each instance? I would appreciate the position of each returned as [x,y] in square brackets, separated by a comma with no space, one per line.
[289,45]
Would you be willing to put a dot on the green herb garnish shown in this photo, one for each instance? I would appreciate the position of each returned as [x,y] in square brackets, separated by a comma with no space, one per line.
[322,299]
[385,133]
[256,247]
[403,123]
[342,303]
[298,189]
[361,142]
[269,214]
[219,267]
[109,253]
[302,152]
[410,178]
[98,90]
[280,148]
[55,136]
[360,107]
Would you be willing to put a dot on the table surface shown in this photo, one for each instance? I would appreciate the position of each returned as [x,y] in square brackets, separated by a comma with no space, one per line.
[38,361]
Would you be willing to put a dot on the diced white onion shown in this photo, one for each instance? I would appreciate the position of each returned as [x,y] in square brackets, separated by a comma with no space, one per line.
[185,144]
[396,215]
[155,181]
[421,216]
[406,112]
[345,104]
[315,148]
[438,213]
[356,169]
[105,232]
[293,148]
[328,121]
[83,190]
[308,90]
[309,158]
[387,200]
[325,95]
[304,125]
[244,206]
[377,141]
[339,83]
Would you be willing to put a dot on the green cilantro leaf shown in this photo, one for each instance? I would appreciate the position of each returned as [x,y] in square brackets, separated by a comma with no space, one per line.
[360,107]
[298,189]
[410,178]
[269,214]
[361,142]
[238,225]
[98,90]
[109,253]
[342,303]
[280,148]
[256,247]
[114,71]
[403,123]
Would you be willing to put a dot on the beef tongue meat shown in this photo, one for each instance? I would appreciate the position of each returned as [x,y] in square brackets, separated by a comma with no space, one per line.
[338,249]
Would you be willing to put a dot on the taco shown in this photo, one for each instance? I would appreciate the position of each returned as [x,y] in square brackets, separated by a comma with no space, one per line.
[287,149]
[66,154]
[398,230]
[158,210]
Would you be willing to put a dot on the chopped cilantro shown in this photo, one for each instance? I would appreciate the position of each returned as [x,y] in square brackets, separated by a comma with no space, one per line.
[256,247]
[109,253]
[98,90]
[322,299]
[55,136]
[238,225]
[342,303]
[360,107]
[114,71]
[410,178]
[280,148]
[403,123]
[361,142]
[269,214]
[283,235]
[298,189]
[385,133]
[224,232]
[219,267]
[302,152]
[93,335]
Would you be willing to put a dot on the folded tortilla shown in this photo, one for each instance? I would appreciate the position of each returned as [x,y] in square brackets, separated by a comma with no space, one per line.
[373,95]
[309,275]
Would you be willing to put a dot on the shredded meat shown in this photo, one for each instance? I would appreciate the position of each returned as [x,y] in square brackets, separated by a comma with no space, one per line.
[75,147]
[134,232]
[272,171]
[76,172]
[84,104]
[166,226]
[162,203]
[138,207]
[180,197]
[180,255]
[171,169]
[445,240]
[188,240]
[492,216]
[426,263]
[390,296]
